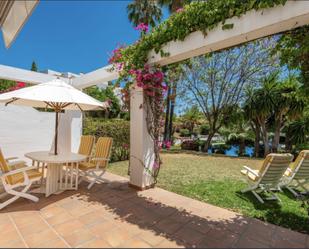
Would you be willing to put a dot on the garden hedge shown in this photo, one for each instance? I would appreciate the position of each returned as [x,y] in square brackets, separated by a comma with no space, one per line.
[118,129]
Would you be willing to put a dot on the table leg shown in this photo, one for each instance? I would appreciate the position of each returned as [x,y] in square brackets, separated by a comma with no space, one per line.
[71,175]
[52,179]
[77,174]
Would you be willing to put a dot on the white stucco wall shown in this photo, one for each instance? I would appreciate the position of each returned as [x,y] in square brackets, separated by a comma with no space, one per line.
[24,129]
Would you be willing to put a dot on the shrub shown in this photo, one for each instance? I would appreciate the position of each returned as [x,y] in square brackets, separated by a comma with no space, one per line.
[118,129]
[184,133]
[220,148]
[204,129]
[196,131]
[190,145]
[298,148]
[237,141]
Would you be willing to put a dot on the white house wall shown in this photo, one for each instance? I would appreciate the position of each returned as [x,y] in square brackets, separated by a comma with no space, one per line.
[24,129]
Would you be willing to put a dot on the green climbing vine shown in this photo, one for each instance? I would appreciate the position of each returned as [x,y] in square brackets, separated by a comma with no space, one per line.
[198,16]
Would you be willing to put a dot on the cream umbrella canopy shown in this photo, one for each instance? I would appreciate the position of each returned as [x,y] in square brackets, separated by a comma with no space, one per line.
[13,16]
[55,94]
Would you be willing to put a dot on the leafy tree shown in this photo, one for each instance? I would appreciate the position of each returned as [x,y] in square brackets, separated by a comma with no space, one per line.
[297,131]
[144,11]
[251,113]
[191,118]
[260,106]
[238,129]
[104,95]
[274,101]
[287,104]
[293,47]
[34,67]
[216,82]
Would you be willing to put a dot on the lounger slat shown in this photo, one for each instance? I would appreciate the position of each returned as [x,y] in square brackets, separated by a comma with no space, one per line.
[298,171]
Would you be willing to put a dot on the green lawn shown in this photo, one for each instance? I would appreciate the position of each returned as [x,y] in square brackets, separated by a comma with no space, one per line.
[217,180]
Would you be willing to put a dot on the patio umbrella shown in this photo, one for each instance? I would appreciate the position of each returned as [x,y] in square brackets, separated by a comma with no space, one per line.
[55,94]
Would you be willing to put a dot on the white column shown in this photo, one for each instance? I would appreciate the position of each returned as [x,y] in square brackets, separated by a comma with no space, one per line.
[69,132]
[141,144]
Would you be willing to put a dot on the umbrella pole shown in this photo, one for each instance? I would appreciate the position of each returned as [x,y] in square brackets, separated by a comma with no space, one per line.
[56,132]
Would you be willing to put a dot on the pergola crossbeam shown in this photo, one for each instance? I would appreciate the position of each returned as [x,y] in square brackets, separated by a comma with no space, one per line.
[17,74]
[100,75]
[251,26]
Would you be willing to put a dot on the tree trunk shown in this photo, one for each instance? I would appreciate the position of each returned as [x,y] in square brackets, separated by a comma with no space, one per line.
[242,147]
[208,141]
[257,131]
[173,97]
[166,126]
[275,142]
[288,142]
[265,139]
[257,140]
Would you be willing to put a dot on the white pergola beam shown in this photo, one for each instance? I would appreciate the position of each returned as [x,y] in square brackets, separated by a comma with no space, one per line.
[251,26]
[100,75]
[27,76]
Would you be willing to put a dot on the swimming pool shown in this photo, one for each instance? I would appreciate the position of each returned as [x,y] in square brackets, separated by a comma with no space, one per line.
[233,151]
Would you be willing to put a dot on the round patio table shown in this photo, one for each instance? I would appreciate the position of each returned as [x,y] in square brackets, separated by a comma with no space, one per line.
[62,170]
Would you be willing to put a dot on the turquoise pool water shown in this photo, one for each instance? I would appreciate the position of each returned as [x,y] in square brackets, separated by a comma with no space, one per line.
[233,151]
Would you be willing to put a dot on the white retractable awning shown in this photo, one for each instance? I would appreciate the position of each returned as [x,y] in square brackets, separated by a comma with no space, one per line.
[13,15]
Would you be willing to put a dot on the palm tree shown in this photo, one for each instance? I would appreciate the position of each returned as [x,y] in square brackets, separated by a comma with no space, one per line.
[191,118]
[251,114]
[144,11]
[173,74]
[238,129]
[297,132]
[262,106]
[166,135]
[286,103]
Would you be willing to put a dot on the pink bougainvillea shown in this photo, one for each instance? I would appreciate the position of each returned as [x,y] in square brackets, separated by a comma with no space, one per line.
[167,144]
[142,27]
[151,79]
[116,55]
[17,86]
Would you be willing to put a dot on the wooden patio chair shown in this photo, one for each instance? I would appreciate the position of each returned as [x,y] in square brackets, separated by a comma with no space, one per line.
[297,174]
[96,166]
[13,179]
[86,145]
[268,177]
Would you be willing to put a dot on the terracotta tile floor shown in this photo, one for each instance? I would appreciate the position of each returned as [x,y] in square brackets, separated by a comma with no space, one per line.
[114,215]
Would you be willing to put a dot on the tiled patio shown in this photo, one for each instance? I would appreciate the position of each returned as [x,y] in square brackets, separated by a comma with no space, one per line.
[114,215]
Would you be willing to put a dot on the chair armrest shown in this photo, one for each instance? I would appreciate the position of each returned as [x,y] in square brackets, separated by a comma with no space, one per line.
[16,163]
[99,159]
[289,169]
[11,158]
[16,171]
[250,170]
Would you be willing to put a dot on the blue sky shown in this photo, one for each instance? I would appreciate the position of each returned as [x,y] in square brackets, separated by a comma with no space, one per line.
[75,36]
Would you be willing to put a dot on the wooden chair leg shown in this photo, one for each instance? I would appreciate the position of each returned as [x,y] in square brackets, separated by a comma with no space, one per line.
[17,195]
